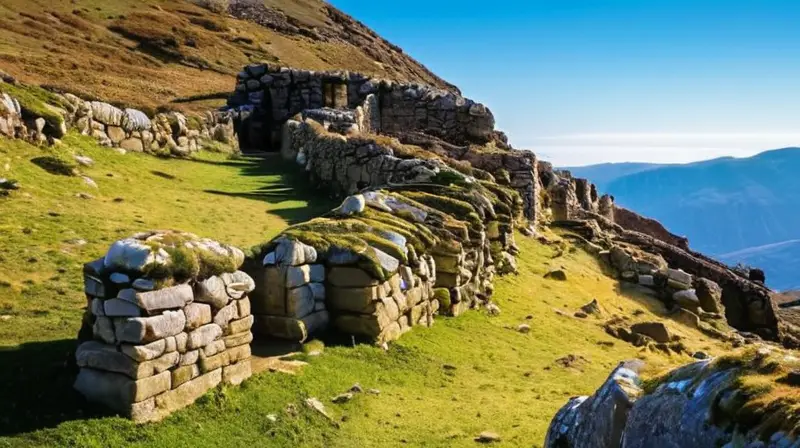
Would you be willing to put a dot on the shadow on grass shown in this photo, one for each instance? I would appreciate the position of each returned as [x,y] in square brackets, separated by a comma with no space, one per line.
[36,387]
[292,186]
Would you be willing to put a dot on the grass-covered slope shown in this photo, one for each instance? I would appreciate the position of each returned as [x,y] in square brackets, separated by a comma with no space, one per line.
[56,221]
[147,53]
[439,387]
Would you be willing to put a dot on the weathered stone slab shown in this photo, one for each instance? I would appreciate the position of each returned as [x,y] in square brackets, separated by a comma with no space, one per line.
[243,307]
[226,314]
[236,374]
[203,336]
[165,299]
[188,392]
[145,352]
[181,341]
[213,348]
[121,308]
[238,339]
[139,330]
[94,286]
[211,291]
[350,277]
[197,315]
[209,363]
[189,358]
[184,374]
[106,357]
[299,301]
[270,295]
[239,326]
[103,330]
[298,276]
[679,276]
[117,391]
[239,353]
[318,291]
[358,300]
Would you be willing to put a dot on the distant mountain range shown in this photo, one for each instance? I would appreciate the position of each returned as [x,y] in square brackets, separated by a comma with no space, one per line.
[738,210]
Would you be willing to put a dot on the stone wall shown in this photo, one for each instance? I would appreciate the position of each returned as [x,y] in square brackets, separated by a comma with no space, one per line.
[168,318]
[710,403]
[414,239]
[275,94]
[126,130]
[380,264]
[132,130]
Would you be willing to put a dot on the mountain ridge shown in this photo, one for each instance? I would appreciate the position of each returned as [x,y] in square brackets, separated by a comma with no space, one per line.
[739,209]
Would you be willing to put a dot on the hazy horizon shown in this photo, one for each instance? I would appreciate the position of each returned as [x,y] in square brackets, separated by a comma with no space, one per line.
[585,82]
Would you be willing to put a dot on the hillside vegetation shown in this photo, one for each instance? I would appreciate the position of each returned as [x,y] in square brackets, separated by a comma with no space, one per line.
[438,387]
[153,54]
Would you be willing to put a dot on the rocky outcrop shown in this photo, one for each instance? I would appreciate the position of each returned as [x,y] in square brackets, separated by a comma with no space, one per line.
[167,319]
[633,221]
[708,403]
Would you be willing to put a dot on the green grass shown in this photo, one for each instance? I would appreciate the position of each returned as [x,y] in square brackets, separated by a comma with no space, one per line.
[497,378]
[47,232]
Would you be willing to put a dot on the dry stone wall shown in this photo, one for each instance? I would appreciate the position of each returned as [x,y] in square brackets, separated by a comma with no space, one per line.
[379,265]
[126,130]
[413,239]
[275,94]
[168,318]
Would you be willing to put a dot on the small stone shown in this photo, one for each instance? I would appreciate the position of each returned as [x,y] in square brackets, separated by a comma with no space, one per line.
[342,398]
[373,391]
[524,328]
[356,388]
[272,417]
[143,284]
[89,181]
[119,278]
[493,309]
[352,205]
[656,330]
[487,437]
[700,355]
[581,315]
[83,160]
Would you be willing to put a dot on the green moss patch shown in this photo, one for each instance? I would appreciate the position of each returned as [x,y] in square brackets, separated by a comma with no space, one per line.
[34,102]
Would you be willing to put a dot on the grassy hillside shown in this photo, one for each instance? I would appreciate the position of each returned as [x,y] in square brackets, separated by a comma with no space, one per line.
[438,387]
[149,53]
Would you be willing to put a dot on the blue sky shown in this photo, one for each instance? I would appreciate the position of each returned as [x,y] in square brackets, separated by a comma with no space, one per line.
[582,82]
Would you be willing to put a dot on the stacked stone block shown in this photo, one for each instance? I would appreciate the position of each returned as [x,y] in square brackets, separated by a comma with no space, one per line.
[289,300]
[132,130]
[381,310]
[125,129]
[163,330]
[395,107]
